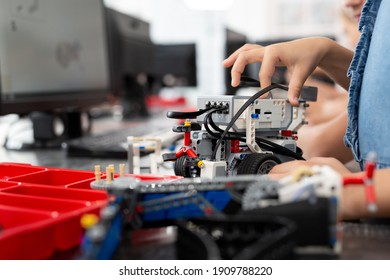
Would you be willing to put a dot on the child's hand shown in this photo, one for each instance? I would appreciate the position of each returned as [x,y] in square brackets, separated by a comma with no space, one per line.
[301,57]
[287,168]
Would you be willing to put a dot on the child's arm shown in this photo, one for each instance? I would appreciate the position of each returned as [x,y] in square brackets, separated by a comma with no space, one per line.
[354,199]
[354,204]
[301,57]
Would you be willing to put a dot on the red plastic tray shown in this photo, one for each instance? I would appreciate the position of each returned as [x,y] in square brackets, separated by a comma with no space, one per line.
[11,170]
[40,208]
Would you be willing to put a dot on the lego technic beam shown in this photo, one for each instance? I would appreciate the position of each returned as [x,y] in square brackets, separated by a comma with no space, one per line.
[197,197]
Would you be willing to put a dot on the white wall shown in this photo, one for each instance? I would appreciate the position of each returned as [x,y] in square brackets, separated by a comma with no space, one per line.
[268,19]
[172,21]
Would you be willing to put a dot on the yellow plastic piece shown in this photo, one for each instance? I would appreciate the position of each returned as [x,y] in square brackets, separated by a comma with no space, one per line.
[121,170]
[89,220]
[200,164]
[97,173]
[302,171]
[108,175]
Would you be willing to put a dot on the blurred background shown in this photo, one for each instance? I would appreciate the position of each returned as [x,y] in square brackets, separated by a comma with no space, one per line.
[64,63]
[217,27]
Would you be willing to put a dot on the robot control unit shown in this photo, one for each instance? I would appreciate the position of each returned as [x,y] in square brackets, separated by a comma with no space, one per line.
[236,135]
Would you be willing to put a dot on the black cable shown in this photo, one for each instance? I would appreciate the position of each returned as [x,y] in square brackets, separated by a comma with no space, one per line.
[186,115]
[242,109]
[230,136]
[213,125]
[249,81]
[276,148]
[262,142]
[208,118]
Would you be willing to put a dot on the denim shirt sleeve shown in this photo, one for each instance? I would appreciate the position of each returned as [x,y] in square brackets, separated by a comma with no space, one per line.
[356,71]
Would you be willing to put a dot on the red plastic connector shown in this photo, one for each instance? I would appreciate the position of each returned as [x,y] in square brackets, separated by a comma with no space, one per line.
[367,180]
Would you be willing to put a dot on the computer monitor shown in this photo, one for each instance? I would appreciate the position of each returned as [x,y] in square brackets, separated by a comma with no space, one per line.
[53,58]
[234,40]
[53,55]
[131,60]
[175,65]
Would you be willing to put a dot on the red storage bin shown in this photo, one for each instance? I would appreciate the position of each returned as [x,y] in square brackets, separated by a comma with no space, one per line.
[40,208]
[59,193]
[39,215]
[11,170]
[5,185]
[25,234]
[56,177]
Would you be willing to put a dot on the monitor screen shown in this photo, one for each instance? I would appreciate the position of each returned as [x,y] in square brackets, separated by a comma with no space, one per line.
[175,65]
[130,47]
[53,55]
[234,40]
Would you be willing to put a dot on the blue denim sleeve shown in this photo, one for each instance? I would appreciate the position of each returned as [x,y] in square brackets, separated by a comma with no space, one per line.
[356,72]
[374,105]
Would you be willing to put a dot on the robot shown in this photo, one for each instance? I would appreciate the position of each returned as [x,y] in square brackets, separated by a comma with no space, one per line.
[238,135]
[300,212]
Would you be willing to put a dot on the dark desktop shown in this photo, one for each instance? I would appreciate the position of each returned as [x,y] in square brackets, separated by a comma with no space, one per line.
[140,67]
[59,59]
[53,60]
[175,65]
[53,55]
[132,56]
[233,41]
